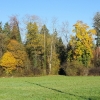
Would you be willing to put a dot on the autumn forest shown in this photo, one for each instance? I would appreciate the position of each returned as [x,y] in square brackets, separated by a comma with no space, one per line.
[45,52]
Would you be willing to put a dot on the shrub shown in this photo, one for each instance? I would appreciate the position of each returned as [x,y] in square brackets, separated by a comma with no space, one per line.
[1,71]
[74,68]
[97,62]
[94,71]
[37,71]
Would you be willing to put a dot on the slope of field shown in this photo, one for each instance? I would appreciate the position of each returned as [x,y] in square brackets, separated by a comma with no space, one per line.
[50,88]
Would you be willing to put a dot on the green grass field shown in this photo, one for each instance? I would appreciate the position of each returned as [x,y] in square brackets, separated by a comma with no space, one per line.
[50,88]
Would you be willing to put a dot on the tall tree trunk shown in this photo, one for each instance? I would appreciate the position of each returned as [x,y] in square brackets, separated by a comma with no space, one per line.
[50,64]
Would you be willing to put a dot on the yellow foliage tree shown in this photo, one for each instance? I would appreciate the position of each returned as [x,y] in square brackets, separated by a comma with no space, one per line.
[19,53]
[34,44]
[8,62]
[82,43]
[39,45]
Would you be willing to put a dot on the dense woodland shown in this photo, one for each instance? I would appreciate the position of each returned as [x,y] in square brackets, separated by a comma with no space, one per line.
[44,52]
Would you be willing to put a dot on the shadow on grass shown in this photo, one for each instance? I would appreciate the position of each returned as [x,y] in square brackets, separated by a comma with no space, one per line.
[60,91]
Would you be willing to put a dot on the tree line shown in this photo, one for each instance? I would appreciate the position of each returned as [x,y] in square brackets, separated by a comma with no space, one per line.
[45,53]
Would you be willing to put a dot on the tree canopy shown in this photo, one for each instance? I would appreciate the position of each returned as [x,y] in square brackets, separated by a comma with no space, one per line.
[47,52]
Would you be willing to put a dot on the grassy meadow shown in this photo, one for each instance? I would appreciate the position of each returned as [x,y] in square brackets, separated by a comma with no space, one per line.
[50,88]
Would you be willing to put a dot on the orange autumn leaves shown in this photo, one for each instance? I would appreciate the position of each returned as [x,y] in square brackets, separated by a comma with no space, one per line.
[14,57]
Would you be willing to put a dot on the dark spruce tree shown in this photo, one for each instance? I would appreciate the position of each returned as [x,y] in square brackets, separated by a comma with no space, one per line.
[0,27]
[45,32]
[96,25]
[15,31]
[61,50]
[6,29]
